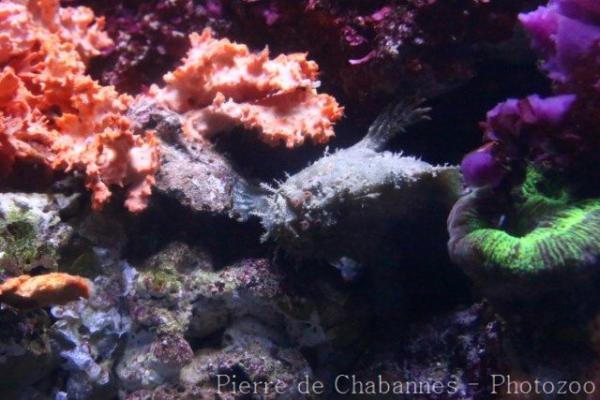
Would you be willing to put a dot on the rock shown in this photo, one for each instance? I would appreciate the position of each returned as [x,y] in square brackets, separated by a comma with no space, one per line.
[193,174]
[161,296]
[460,351]
[26,355]
[31,231]
[151,361]
[251,353]
[176,291]
[90,332]
[197,177]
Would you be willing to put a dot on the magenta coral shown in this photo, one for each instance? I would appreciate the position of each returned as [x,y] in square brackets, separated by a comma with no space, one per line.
[558,132]
[566,36]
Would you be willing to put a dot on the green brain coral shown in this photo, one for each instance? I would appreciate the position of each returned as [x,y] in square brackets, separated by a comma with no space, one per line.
[544,230]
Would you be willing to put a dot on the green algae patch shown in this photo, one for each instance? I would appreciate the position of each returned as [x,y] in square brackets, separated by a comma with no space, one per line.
[21,250]
[164,281]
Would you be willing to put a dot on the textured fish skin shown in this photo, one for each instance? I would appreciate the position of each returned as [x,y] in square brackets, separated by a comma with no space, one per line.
[340,205]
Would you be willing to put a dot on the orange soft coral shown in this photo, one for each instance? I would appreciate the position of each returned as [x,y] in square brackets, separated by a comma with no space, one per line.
[55,288]
[53,113]
[222,84]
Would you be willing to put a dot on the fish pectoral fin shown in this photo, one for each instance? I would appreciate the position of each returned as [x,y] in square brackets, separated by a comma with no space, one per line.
[393,120]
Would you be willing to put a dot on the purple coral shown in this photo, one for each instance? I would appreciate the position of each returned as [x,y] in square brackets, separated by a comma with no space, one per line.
[558,132]
[566,33]
[482,168]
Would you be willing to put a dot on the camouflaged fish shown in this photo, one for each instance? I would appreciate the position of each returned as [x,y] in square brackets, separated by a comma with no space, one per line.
[339,207]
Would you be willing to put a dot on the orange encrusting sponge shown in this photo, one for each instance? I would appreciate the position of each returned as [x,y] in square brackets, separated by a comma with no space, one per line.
[55,288]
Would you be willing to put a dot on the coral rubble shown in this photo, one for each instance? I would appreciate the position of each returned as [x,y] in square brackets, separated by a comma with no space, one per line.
[175,297]
[256,353]
[443,349]
[26,353]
